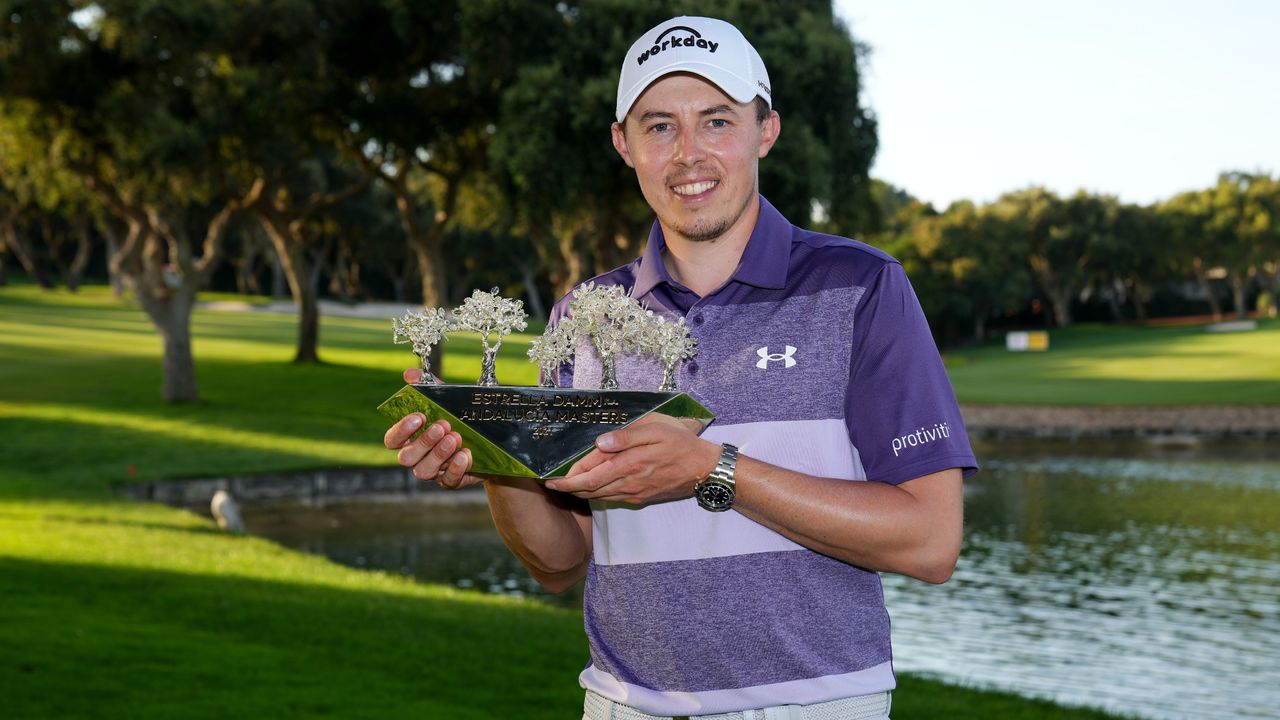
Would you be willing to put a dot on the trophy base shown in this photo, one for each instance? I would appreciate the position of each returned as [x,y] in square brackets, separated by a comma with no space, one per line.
[534,432]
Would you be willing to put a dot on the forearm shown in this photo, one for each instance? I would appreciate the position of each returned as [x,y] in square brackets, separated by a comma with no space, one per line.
[549,537]
[914,529]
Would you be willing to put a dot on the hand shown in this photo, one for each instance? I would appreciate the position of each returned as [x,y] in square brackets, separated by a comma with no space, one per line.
[437,454]
[656,458]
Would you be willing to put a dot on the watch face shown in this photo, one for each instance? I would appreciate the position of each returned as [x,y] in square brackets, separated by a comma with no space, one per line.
[715,496]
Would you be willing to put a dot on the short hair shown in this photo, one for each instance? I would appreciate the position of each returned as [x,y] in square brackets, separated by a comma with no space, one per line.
[762,109]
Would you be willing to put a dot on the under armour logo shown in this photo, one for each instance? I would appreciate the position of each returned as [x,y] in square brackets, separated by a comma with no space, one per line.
[766,357]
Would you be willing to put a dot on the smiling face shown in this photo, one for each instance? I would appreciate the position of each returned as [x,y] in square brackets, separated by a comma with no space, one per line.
[696,153]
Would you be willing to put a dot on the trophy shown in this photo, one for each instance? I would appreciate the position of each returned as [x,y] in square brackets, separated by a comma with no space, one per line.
[540,432]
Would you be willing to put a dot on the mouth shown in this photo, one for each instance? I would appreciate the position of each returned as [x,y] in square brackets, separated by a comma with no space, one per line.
[695,190]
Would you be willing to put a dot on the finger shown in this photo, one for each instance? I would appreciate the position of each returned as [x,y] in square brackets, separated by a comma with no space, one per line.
[588,481]
[433,464]
[454,474]
[412,453]
[591,460]
[694,426]
[642,432]
[400,433]
[416,376]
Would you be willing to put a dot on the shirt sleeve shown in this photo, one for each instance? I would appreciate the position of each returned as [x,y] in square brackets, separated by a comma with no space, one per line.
[900,410]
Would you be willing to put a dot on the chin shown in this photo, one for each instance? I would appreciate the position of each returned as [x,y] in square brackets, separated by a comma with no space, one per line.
[705,232]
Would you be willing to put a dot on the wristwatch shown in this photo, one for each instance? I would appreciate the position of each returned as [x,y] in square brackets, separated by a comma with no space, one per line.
[716,492]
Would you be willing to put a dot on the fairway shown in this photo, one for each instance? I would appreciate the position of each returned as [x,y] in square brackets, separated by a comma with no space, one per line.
[116,609]
[1110,365]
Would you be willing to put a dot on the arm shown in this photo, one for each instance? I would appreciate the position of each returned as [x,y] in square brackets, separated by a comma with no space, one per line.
[913,528]
[550,534]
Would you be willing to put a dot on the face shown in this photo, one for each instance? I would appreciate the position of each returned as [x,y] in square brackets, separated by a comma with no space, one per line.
[696,152]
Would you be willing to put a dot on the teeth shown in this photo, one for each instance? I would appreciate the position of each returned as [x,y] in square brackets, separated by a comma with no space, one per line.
[695,188]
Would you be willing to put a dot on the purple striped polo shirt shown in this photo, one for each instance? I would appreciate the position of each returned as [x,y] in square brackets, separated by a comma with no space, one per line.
[816,357]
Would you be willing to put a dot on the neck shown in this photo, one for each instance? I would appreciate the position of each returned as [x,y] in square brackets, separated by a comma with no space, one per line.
[704,266]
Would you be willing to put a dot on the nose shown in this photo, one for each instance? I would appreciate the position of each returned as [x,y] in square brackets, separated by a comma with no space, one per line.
[689,150]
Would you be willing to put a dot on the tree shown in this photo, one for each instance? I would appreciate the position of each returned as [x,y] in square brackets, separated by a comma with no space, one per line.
[112,94]
[1130,258]
[1186,217]
[416,115]
[1243,226]
[1058,239]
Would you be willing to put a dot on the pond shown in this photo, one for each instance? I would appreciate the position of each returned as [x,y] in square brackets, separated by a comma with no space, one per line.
[1138,578]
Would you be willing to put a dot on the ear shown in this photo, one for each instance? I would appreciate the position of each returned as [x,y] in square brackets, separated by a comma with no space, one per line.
[620,143]
[769,131]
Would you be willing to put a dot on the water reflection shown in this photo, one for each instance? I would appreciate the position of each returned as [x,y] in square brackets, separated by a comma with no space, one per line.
[1144,580]
[452,543]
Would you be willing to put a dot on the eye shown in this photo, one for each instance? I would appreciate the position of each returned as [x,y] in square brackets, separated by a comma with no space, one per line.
[659,127]
[719,123]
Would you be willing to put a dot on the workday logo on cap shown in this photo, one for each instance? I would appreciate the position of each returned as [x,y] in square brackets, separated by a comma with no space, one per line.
[710,48]
[694,39]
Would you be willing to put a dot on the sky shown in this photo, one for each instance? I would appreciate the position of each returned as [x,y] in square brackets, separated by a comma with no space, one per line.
[1133,98]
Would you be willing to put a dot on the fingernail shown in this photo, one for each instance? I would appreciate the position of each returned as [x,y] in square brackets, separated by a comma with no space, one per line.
[415,421]
[551,485]
[435,432]
[606,441]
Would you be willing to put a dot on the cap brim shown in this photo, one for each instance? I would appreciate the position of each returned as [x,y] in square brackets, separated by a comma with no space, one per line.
[732,85]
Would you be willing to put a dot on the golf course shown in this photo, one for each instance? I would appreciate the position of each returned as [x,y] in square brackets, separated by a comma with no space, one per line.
[111,608]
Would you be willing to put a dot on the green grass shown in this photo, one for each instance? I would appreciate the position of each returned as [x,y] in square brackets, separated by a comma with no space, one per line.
[1113,365]
[115,609]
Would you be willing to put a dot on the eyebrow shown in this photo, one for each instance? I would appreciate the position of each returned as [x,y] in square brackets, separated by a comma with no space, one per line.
[659,115]
[718,109]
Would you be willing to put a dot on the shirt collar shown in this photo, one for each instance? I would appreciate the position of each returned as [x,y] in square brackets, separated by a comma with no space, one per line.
[764,261]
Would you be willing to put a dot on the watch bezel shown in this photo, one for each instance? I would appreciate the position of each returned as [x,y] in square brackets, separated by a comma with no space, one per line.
[720,482]
[706,492]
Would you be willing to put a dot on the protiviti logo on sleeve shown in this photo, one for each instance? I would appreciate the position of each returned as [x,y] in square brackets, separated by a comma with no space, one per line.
[693,39]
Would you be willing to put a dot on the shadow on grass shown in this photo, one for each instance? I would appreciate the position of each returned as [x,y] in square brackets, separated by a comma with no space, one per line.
[90,641]
[65,459]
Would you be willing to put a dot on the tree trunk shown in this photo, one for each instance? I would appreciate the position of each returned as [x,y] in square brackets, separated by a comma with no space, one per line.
[573,274]
[1197,264]
[431,270]
[529,280]
[396,275]
[979,326]
[292,261]
[26,257]
[277,277]
[171,315]
[73,272]
[1140,300]
[344,280]
[247,265]
[117,281]
[1114,297]
[1060,298]
[1237,292]
[318,263]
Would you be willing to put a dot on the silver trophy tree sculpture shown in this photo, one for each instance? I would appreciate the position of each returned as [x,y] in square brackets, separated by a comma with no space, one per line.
[605,314]
[674,345]
[555,348]
[424,330]
[493,317]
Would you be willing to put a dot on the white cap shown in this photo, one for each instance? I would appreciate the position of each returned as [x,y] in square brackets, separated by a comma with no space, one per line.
[711,48]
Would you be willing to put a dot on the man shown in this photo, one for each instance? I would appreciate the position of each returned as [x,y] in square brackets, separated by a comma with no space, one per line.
[816,359]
